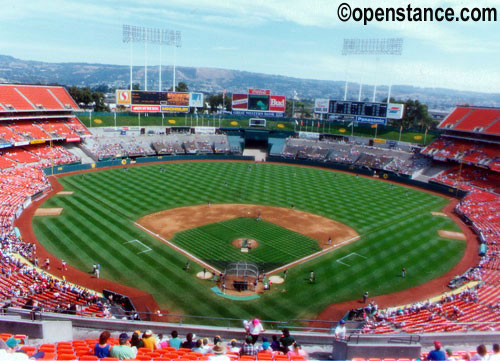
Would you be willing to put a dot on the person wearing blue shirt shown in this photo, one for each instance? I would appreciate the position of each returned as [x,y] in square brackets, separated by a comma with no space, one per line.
[437,354]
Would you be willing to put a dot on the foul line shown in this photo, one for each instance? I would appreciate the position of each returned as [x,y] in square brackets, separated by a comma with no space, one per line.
[177,248]
[349,255]
[314,255]
[136,240]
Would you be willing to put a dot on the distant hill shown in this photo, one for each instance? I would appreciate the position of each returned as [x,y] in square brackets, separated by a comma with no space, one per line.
[210,80]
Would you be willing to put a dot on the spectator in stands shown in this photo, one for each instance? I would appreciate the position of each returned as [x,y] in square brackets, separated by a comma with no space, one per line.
[286,340]
[136,341]
[123,350]
[161,343]
[266,347]
[296,351]
[189,343]
[437,354]
[198,347]
[340,331]
[254,329]
[449,355]
[219,351]
[234,346]
[248,348]
[206,347]
[175,341]
[495,356]
[275,344]
[102,348]
[9,351]
[481,355]
[149,340]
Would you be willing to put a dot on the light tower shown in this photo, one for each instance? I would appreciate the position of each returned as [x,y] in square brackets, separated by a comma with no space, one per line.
[370,47]
[139,34]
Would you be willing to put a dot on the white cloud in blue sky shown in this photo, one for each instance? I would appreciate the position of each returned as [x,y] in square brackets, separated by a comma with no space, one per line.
[301,38]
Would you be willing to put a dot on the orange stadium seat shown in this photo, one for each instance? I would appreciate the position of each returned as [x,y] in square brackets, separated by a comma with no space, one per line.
[66,357]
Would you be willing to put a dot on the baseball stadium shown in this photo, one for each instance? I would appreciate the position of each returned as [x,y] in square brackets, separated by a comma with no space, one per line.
[362,241]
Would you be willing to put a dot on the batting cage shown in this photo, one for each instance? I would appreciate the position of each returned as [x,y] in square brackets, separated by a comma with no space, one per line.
[241,276]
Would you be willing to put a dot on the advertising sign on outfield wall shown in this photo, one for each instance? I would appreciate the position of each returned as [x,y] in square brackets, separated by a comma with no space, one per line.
[321,106]
[196,100]
[395,111]
[277,103]
[259,91]
[123,97]
[240,101]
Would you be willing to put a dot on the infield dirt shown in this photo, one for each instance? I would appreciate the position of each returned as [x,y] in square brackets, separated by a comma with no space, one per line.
[167,223]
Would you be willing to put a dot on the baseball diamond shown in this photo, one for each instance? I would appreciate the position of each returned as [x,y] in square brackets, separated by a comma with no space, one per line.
[100,215]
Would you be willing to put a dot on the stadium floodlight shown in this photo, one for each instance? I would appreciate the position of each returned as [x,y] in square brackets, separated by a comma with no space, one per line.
[367,47]
[139,34]
[391,46]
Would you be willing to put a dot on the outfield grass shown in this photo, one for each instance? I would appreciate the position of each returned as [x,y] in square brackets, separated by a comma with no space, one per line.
[395,224]
[228,122]
[278,246]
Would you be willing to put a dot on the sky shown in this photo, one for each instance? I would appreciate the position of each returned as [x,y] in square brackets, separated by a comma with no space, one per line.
[298,38]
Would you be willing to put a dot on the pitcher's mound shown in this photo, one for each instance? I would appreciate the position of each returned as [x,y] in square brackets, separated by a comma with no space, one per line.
[276,280]
[204,275]
[48,211]
[251,243]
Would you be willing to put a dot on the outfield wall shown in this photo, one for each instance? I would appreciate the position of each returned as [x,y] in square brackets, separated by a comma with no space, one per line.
[140,160]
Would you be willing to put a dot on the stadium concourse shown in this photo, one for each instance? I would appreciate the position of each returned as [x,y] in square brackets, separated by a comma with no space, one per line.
[38,128]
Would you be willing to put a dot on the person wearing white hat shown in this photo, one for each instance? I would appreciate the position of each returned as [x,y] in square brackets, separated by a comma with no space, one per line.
[149,340]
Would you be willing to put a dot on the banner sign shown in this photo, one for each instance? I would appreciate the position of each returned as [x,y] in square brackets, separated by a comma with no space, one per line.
[145,108]
[321,106]
[395,111]
[196,100]
[240,101]
[6,145]
[204,130]
[37,141]
[309,135]
[371,120]
[18,144]
[123,97]
[278,103]
[73,139]
[259,91]
[254,113]
[174,109]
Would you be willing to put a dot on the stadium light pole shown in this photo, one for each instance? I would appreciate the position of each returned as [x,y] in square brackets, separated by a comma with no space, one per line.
[139,34]
[176,43]
[370,47]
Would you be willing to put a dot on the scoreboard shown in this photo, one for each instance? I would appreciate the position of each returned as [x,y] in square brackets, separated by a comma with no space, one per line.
[368,109]
[155,98]
[149,98]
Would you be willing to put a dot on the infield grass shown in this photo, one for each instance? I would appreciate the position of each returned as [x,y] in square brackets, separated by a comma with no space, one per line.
[394,222]
[277,246]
